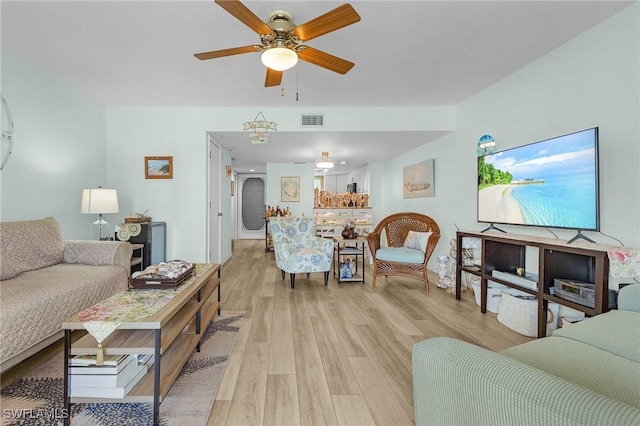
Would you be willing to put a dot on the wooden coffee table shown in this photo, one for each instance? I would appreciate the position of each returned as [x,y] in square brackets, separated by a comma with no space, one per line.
[171,335]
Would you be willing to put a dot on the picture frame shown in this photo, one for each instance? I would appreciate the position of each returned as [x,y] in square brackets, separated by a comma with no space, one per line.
[158,167]
[290,189]
[229,170]
[233,188]
[417,180]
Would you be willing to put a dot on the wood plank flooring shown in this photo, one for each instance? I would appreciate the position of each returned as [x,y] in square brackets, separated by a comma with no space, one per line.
[335,355]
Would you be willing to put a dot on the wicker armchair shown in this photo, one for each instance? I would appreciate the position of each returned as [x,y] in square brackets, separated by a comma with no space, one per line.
[396,259]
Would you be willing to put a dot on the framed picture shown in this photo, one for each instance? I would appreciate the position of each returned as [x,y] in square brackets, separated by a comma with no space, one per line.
[417,180]
[290,188]
[233,188]
[158,167]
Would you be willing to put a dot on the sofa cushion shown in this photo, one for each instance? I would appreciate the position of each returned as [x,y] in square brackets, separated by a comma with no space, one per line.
[616,331]
[629,298]
[29,245]
[584,365]
[35,303]
[400,254]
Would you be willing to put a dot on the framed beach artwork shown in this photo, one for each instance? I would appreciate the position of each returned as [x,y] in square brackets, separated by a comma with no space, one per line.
[158,167]
[417,180]
[290,188]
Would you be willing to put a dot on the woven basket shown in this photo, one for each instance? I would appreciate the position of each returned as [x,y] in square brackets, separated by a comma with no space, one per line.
[519,311]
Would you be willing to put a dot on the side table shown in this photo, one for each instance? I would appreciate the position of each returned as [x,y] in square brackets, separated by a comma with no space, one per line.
[351,249]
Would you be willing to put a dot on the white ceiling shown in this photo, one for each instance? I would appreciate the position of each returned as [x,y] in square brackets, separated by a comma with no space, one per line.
[407,53]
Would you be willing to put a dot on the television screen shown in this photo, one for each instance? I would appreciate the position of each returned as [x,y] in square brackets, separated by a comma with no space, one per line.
[551,183]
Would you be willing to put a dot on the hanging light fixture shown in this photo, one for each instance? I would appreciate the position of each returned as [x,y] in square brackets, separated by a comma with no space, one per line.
[324,162]
[279,58]
[261,129]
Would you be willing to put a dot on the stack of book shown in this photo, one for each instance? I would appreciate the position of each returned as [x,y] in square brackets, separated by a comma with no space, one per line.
[113,379]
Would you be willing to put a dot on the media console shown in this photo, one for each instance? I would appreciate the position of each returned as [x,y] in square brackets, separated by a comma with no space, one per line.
[557,259]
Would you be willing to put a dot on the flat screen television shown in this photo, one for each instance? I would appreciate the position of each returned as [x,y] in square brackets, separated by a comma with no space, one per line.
[551,183]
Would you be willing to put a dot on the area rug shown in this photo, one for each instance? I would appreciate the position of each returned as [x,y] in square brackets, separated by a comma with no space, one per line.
[36,398]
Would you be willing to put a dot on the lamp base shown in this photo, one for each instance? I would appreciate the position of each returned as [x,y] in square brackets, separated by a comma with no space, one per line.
[100,230]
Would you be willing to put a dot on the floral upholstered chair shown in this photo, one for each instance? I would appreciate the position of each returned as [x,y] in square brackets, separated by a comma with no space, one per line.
[298,249]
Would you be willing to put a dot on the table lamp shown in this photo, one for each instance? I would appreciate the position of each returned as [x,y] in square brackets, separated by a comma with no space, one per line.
[99,201]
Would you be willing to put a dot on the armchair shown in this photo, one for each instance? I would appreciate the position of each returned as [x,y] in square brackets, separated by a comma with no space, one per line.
[298,249]
[399,257]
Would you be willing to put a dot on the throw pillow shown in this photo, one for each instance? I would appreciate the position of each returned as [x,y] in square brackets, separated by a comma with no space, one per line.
[417,240]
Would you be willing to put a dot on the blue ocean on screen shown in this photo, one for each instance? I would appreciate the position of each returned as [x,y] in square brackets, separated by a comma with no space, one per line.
[565,201]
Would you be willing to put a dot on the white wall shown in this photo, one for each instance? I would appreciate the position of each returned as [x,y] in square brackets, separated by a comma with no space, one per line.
[59,149]
[136,132]
[275,171]
[592,80]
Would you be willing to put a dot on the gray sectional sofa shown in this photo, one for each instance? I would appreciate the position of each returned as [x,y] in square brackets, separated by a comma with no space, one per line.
[587,373]
[44,280]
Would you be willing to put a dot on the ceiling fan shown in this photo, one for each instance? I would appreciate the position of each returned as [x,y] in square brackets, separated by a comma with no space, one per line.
[282,42]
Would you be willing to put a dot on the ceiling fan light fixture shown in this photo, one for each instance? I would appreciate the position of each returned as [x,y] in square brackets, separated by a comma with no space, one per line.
[279,58]
[324,162]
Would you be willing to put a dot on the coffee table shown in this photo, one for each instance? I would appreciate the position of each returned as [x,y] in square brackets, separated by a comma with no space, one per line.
[170,334]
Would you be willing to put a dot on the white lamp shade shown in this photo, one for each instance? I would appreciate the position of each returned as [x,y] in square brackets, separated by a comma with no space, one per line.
[324,162]
[279,58]
[99,200]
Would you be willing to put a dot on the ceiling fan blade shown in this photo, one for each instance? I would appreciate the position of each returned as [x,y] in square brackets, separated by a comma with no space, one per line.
[273,78]
[224,52]
[244,15]
[325,60]
[334,20]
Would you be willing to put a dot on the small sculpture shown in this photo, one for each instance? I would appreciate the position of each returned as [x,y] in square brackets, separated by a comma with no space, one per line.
[445,281]
[349,231]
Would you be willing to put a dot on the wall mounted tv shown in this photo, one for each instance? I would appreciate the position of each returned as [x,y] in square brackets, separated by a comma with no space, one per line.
[550,183]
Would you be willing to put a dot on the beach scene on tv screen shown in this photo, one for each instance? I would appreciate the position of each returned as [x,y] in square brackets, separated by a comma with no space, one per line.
[549,183]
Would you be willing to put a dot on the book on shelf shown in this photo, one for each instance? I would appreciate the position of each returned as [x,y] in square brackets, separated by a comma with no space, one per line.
[350,250]
[146,359]
[112,378]
[137,373]
[529,280]
[109,360]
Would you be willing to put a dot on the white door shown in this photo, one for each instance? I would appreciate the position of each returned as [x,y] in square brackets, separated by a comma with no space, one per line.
[251,207]
[215,204]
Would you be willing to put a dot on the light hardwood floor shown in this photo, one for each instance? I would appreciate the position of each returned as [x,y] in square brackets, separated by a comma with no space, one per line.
[338,355]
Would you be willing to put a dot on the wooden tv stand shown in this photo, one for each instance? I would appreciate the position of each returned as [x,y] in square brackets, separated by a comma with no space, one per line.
[171,335]
[580,261]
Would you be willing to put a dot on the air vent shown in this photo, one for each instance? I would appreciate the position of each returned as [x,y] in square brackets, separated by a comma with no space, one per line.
[312,120]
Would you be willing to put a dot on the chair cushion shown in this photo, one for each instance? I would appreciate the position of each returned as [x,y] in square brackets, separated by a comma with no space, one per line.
[417,240]
[400,254]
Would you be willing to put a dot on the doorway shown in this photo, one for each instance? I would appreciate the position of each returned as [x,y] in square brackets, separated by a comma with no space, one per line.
[215,210]
[251,206]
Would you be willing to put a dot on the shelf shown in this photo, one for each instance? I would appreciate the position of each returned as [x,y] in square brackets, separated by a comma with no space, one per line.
[556,259]
[344,251]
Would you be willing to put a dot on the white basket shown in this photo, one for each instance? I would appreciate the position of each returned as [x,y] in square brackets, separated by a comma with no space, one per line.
[494,295]
[519,312]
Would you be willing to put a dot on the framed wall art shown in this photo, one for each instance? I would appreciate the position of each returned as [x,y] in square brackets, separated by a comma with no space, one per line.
[290,188]
[158,167]
[417,180]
